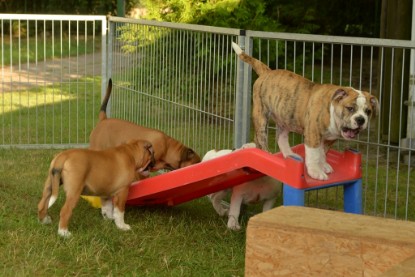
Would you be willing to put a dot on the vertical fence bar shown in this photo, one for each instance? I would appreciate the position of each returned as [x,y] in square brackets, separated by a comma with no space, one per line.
[243,77]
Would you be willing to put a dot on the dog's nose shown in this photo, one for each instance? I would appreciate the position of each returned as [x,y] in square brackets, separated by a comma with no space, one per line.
[360,120]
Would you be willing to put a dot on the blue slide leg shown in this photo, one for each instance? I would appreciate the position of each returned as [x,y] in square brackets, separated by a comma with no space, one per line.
[293,196]
[353,197]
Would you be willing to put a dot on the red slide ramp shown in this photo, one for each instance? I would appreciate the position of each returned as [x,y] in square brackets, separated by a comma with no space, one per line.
[220,173]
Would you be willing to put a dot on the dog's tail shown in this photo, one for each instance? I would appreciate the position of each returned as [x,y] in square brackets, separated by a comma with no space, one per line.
[55,178]
[103,110]
[257,65]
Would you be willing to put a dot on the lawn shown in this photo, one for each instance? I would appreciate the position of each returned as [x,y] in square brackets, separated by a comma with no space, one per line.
[187,240]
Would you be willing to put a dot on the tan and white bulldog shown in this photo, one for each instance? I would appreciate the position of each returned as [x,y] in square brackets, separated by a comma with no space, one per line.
[169,153]
[264,189]
[321,112]
[107,173]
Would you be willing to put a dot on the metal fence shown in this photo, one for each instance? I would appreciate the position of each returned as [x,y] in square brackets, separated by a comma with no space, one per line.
[52,67]
[186,81]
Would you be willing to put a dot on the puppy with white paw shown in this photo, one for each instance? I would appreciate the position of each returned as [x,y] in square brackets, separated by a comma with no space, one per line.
[264,189]
[106,173]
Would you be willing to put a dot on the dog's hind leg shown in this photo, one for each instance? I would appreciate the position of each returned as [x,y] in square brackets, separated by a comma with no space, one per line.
[119,209]
[284,145]
[42,207]
[234,211]
[66,213]
[107,208]
[260,120]
[216,199]
[268,204]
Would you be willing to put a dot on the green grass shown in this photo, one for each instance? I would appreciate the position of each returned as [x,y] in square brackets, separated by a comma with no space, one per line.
[187,240]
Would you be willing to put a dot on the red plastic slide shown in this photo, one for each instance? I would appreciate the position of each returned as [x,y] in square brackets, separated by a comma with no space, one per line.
[201,179]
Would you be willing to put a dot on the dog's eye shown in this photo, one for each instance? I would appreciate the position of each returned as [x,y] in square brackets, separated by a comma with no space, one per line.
[350,109]
[368,112]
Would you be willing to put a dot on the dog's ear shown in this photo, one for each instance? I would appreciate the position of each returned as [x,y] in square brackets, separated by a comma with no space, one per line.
[149,147]
[375,105]
[339,95]
[188,154]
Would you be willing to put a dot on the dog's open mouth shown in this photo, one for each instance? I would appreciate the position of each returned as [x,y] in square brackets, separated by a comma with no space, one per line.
[349,133]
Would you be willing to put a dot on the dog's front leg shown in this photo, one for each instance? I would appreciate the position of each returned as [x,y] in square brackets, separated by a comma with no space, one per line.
[119,209]
[313,161]
[326,166]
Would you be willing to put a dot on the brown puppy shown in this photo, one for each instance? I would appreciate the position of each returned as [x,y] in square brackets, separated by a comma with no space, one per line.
[106,173]
[321,112]
[168,152]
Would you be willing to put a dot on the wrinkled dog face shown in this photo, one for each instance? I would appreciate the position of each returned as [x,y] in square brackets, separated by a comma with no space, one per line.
[351,111]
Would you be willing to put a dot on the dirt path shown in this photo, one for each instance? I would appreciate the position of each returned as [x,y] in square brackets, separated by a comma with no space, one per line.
[28,75]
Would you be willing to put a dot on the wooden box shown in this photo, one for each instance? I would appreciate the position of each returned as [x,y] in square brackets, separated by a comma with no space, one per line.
[300,241]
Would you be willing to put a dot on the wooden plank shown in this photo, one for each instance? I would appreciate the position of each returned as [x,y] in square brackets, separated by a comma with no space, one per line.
[404,269]
[299,241]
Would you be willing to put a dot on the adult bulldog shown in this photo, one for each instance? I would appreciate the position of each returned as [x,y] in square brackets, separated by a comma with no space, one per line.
[321,112]
[169,153]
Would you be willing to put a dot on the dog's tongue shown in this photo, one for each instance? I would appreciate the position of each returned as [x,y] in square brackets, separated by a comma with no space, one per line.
[350,133]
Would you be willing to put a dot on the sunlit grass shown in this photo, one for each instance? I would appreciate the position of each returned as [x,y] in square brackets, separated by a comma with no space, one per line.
[31,99]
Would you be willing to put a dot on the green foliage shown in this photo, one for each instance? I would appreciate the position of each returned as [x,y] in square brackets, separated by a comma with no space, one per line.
[355,17]
[223,13]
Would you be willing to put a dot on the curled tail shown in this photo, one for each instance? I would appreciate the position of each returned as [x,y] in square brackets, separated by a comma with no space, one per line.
[257,65]
[103,110]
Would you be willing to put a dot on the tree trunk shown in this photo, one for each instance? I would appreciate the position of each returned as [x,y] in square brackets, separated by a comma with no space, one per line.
[395,23]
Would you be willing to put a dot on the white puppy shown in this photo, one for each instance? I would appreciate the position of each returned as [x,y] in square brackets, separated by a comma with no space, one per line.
[264,189]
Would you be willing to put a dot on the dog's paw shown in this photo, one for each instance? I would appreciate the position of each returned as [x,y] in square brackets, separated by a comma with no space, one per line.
[123,226]
[327,168]
[317,173]
[46,220]
[233,224]
[64,233]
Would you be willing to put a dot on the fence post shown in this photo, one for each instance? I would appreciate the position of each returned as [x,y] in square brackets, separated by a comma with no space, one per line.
[104,65]
[111,34]
[243,97]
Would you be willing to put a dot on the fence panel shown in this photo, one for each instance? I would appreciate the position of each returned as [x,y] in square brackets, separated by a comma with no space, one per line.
[51,69]
[175,77]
